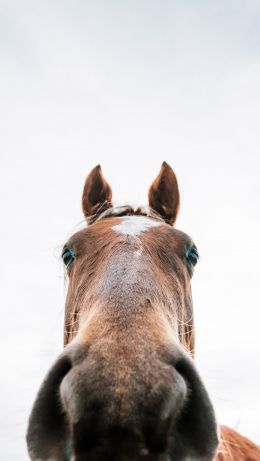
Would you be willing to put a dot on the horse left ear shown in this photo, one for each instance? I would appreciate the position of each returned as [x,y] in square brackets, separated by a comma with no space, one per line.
[164,194]
[97,193]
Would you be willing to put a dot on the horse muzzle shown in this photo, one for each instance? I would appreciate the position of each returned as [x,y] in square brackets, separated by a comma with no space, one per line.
[153,408]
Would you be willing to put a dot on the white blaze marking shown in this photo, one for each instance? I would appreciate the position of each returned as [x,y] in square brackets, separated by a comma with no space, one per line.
[135,225]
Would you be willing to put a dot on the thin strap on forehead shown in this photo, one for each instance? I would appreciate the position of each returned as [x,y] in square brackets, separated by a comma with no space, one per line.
[125,210]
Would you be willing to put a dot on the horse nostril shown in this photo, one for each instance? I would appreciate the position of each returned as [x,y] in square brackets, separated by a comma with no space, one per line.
[196,425]
[48,426]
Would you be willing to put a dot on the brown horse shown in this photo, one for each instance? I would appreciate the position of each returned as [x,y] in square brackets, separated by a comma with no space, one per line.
[125,388]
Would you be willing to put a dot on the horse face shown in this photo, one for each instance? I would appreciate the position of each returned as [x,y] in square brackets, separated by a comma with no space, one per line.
[125,387]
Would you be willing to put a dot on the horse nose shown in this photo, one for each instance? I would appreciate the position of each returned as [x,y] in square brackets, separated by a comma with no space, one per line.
[81,413]
[129,413]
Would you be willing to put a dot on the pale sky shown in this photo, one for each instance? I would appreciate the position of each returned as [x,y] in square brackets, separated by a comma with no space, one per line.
[129,84]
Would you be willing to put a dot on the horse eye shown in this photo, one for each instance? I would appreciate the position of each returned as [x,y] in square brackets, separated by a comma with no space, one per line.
[192,256]
[68,256]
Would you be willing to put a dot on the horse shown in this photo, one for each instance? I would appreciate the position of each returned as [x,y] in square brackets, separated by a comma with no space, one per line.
[125,387]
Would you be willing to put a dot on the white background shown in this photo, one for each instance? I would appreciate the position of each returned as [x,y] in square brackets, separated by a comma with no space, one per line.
[128,84]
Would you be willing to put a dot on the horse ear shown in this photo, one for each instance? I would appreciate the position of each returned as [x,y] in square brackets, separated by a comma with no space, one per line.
[164,194]
[96,193]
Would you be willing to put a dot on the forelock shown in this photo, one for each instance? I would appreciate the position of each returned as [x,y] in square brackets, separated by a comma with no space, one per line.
[124,210]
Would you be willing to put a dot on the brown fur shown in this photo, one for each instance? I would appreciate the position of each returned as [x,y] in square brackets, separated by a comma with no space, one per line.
[235,447]
[99,243]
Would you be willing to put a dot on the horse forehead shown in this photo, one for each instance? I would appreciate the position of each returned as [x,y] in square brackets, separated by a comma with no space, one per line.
[135,225]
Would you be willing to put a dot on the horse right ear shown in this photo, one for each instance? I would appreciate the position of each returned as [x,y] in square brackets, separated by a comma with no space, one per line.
[96,193]
[164,194]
